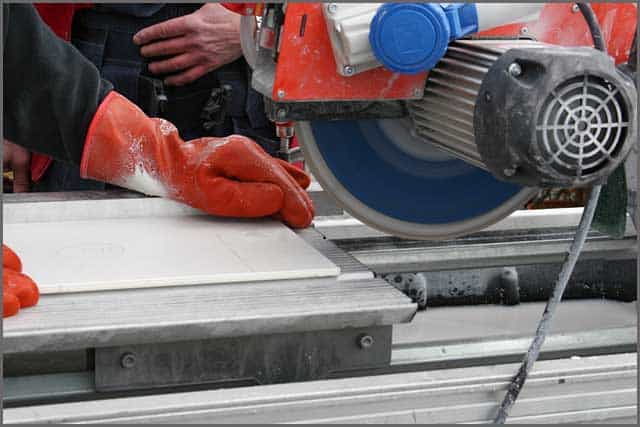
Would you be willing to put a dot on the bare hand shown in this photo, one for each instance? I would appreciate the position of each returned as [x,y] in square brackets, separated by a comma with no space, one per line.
[198,43]
[17,160]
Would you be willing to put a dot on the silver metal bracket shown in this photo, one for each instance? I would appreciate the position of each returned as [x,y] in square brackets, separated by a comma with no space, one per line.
[266,359]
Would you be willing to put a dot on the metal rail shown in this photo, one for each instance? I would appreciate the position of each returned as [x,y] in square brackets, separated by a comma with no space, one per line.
[525,237]
[589,390]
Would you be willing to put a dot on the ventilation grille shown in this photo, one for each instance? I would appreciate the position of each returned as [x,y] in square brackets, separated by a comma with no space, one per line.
[444,116]
[582,126]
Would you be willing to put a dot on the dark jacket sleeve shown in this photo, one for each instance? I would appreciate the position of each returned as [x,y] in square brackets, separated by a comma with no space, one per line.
[51,91]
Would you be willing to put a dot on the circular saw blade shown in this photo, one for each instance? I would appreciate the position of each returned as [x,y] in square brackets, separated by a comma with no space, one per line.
[395,182]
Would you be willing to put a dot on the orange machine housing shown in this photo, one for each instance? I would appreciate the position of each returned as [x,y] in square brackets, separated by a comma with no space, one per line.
[306,69]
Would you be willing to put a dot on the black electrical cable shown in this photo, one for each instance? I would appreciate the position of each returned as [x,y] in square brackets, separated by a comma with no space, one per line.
[594,27]
[515,387]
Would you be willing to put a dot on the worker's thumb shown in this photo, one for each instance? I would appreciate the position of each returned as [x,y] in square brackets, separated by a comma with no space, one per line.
[301,177]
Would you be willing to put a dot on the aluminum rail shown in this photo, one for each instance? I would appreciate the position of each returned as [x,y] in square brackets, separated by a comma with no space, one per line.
[439,338]
[525,237]
[588,390]
[344,227]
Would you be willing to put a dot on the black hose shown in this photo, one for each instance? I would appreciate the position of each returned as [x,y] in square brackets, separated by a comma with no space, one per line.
[545,323]
[594,27]
[515,387]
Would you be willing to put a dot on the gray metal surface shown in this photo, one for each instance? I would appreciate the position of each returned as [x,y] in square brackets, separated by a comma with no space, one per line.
[438,338]
[615,280]
[350,268]
[76,321]
[493,251]
[486,351]
[594,389]
[39,388]
[343,227]
[497,322]
[263,359]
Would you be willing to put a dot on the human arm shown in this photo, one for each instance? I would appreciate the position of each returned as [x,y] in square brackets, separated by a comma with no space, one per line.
[56,103]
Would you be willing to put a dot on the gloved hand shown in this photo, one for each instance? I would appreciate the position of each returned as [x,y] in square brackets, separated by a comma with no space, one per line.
[18,289]
[231,176]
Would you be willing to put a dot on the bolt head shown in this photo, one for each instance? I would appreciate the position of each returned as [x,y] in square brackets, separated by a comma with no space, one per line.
[281,113]
[510,171]
[515,69]
[332,8]
[281,93]
[128,360]
[524,30]
[365,341]
[348,70]
[575,8]
[248,11]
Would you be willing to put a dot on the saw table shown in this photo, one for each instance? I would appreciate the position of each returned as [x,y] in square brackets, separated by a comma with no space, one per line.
[337,341]
[220,332]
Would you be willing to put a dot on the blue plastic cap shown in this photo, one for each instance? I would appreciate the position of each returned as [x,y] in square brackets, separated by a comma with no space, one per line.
[412,37]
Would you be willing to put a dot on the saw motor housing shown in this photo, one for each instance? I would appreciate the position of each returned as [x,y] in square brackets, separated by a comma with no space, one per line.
[530,113]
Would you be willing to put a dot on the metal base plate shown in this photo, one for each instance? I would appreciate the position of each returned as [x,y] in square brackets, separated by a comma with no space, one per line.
[257,359]
[400,188]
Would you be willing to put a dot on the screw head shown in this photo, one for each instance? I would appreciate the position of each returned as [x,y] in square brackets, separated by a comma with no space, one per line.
[515,69]
[128,360]
[510,171]
[348,70]
[281,113]
[365,341]
[281,93]
[332,8]
[524,30]
[575,8]
[248,11]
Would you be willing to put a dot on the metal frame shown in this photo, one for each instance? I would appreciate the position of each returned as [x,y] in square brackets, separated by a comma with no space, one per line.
[348,243]
[588,390]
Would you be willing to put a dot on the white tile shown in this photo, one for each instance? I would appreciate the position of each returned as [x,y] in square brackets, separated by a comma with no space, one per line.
[104,254]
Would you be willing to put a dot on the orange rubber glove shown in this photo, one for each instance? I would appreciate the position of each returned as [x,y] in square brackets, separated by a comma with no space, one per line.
[231,176]
[18,289]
